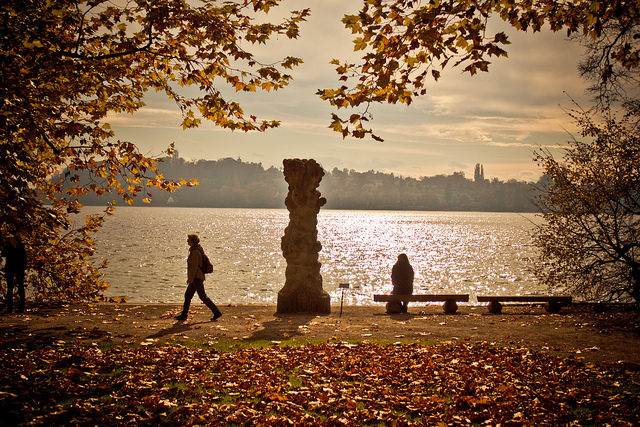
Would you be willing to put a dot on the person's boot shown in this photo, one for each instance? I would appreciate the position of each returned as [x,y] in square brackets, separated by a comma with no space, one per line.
[185,311]
[216,314]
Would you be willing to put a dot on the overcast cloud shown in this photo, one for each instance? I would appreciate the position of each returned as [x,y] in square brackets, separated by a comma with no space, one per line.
[494,118]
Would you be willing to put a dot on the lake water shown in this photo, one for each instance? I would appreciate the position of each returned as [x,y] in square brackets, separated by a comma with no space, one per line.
[451,252]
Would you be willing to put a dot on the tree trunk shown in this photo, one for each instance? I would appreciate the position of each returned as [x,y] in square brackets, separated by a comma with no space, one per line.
[302,291]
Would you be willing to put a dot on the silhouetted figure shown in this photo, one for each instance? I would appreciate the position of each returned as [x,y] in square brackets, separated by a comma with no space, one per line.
[15,264]
[402,279]
[195,279]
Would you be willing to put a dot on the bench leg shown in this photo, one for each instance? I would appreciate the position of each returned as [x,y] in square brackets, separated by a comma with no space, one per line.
[553,307]
[450,306]
[495,307]
[394,307]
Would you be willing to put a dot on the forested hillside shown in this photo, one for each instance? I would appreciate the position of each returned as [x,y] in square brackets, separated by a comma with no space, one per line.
[228,183]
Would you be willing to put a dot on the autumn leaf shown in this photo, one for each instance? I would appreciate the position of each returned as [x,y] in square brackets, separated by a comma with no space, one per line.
[336,383]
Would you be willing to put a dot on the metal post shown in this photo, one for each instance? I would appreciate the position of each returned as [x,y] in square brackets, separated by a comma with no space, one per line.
[343,286]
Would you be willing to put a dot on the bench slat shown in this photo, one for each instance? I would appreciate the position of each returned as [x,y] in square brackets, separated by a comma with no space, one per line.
[524,298]
[421,297]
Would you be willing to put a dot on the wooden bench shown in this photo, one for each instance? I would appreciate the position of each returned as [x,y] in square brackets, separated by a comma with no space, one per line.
[553,304]
[449,306]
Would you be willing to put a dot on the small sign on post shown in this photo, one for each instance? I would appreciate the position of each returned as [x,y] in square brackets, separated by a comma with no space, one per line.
[342,286]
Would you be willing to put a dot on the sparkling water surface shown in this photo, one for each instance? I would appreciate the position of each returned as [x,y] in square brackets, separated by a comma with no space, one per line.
[451,252]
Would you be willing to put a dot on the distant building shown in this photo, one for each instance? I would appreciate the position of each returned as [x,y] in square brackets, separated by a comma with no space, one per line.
[478,175]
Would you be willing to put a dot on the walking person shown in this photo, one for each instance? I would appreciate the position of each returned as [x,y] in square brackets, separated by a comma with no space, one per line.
[195,279]
[15,264]
[402,279]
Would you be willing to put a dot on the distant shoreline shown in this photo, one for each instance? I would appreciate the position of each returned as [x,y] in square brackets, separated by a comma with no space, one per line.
[322,209]
[230,183]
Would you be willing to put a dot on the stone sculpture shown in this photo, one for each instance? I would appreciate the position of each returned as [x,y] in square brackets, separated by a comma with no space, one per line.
[302,291]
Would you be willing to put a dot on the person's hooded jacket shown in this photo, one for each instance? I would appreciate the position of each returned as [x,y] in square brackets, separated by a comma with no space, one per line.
[194,264]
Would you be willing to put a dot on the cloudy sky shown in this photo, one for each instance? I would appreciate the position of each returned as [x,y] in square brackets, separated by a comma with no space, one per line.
[496,118]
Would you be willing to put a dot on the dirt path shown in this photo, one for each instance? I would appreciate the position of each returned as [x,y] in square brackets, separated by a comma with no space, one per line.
[609,334]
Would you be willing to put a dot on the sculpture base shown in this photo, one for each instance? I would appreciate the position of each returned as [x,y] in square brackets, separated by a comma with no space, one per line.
[302,302]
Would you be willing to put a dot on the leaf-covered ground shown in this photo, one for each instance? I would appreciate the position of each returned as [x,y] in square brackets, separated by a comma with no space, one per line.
[326,384]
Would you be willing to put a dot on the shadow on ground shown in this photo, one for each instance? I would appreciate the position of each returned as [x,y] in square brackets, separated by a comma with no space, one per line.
[287,326]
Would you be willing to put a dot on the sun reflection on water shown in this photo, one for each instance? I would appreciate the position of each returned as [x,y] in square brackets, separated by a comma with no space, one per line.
[457,252]
[451,252]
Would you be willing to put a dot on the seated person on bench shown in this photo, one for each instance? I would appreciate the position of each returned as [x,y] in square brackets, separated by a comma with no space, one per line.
[402,279]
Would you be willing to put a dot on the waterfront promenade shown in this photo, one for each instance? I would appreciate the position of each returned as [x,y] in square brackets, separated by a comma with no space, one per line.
[609,334]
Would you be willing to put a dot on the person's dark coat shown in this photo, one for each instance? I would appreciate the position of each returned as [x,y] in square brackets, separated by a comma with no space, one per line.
[16,257]
[402,276]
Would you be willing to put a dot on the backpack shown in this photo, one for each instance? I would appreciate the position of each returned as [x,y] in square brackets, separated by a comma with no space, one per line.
[206,266]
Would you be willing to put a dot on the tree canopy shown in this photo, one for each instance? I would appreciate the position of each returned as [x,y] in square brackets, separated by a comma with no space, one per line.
[66,66]
[590,240]
[407,43]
